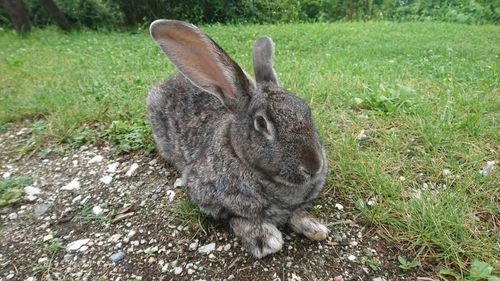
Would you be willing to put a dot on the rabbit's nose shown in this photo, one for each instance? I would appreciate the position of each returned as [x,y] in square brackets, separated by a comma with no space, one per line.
[312,165]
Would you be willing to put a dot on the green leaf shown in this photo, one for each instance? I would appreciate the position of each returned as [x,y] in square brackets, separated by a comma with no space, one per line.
[402,260]
[449,272]
[480,270]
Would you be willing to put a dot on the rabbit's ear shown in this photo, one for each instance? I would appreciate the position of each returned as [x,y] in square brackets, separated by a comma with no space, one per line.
[202,61]
[263,52]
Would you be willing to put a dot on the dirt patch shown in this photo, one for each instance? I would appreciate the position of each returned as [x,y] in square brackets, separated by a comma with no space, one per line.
[96,219]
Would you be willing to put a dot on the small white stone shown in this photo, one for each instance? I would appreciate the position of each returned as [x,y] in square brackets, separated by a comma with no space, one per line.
[112,167]
[106,179]
[339,206]
[115,238]
[84,200]
[132,169]
[371,202]
[12,216]
[97,210]
[351,257]
[170,195]
[227,247]
[76,199]
[31,190]
[488,168]
[6,175]
[207,249]
[179,183]
[362,136]
[47,237]
[165,268]
[75,245]
[378,279]
[96,159]
[73,185]
[177,270]
[193,246]
[446,172]
[190,271]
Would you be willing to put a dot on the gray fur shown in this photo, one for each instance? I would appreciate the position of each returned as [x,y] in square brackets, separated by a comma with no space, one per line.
[232,170]
[263,51]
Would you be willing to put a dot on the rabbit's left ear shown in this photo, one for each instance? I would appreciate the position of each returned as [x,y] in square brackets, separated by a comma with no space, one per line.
[263,51]
[202,61]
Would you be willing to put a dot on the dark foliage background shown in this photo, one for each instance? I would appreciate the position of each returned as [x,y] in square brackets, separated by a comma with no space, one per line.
[117,14]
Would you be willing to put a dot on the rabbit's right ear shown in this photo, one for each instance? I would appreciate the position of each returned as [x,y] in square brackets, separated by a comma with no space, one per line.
[263,52]
[202,61]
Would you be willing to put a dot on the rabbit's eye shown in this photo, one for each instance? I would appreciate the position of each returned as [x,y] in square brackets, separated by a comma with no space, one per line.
[261,125]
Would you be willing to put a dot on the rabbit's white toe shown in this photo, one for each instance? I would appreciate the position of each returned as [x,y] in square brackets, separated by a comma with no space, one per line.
[304,223]
[270,241]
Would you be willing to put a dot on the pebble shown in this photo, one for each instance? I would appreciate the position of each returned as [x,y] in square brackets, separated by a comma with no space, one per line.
[41,209]
[339,206]
[190,271]
[47,237]
[31,190]
[12,216]
[193,246]
[6,175]
[131,233]
[97,210]
[132,169]
[179,183]
[488,168]
[362,136]
[96,159]
[106,179]
[338,278]
[76,199]
[170,195]
[378,279]
[116,257]
[227,247]
[207,249]
[351,257]
[114,238]
[112,167]
[177,270]
[75,245]
[74,184]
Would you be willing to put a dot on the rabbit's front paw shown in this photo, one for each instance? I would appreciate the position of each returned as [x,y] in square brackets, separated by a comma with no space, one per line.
[259,239]
[306,224]
[268,241]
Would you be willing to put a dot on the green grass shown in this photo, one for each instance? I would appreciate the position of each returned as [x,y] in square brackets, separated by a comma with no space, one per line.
[11,190]
[426,95]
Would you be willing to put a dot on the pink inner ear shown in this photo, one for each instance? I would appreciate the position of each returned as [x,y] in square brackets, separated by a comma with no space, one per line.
[197,58]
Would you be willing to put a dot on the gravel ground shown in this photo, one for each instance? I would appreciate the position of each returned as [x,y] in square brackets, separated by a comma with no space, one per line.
[94,215]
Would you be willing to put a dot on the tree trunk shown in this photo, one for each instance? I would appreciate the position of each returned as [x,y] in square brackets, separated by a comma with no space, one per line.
[56,14]
[18,15]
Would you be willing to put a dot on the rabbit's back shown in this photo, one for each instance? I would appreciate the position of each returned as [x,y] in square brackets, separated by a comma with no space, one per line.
[183,119]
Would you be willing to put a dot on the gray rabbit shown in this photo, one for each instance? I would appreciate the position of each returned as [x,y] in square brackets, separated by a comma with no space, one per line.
[249,153]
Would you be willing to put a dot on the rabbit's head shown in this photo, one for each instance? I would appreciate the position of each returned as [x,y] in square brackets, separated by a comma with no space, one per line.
[271,129]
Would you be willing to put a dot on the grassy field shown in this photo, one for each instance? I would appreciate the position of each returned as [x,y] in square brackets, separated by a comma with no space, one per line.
[424,96]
